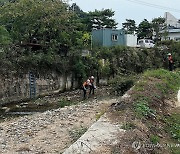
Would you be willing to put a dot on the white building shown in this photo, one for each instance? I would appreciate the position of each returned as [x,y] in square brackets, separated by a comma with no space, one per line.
[172,34]
[130,40]
[171,21]
[173,28]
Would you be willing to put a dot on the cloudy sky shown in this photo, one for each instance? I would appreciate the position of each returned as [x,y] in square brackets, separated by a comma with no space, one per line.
[137,10]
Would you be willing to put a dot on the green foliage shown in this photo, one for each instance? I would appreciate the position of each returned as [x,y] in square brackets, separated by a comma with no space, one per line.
[77,133]
[142,109]
[145,29]
[48,21]
[127,59]
[104,68]
[65,102]
[175,150]
[170,80]
[140,85]
[154,139]
[86,39]
[4,36]
[129,26]
[128,126]
[121,84]
[79,68]
[158,24]
[99,19]
[172,47]
[173,126]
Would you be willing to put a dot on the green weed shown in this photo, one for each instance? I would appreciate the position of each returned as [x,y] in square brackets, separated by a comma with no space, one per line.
[170,80]
[65,102]
[154,139]
[77,133]
[175,150]
[99,115]
[128,126]
[142,109]
[173,126]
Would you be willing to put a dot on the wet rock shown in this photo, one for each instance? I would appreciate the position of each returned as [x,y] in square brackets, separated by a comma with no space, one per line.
[6,109]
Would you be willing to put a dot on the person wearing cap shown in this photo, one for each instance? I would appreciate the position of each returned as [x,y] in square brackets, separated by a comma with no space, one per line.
[170,60]
[92,86]
[86,84]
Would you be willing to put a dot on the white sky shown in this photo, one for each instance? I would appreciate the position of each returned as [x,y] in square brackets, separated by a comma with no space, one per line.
[131,9]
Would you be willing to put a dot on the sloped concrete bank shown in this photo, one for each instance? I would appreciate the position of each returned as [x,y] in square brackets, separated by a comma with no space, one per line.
[178,98]
[100,137]
[97,139]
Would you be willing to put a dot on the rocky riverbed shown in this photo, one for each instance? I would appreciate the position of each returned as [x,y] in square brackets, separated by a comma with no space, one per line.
[51,131]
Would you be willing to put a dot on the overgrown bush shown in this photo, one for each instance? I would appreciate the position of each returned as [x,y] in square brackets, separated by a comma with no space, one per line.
[121,84]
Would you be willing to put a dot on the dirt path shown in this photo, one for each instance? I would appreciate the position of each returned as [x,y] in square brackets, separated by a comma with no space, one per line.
[52,131]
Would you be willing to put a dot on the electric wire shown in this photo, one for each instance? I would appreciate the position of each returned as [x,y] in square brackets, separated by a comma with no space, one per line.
[154,5]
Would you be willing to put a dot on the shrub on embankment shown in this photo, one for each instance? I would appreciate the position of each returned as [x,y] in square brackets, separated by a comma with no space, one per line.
[149,115]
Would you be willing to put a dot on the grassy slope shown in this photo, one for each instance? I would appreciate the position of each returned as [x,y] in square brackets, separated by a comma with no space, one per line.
[149,116]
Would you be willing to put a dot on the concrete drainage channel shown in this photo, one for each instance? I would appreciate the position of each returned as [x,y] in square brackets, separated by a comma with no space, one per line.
[100,134]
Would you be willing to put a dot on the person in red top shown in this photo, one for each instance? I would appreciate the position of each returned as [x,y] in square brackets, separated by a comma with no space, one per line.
[86,84]
[170,60]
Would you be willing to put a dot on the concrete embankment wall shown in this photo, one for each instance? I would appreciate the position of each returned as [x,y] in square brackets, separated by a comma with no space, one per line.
[178,98]
[16,87]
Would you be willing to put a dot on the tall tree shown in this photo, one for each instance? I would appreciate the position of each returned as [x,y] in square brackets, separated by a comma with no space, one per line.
[101,19]
[76,9]
[158,24]
[129,26]
[145,30]
[48,21]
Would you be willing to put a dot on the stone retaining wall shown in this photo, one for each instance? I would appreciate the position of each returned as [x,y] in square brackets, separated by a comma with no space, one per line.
[16,87]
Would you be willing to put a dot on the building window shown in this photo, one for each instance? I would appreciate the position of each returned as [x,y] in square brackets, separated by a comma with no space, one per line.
[114,37]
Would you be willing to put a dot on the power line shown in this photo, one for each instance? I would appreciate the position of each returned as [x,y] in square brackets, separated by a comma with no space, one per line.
[154,5]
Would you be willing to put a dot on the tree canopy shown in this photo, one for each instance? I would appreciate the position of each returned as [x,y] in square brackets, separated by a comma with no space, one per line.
[145,30]
[129,26]
[100,19]
[48,21]
[158,24]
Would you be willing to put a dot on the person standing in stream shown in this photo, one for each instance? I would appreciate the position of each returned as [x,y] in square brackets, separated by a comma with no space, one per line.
[85,86]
